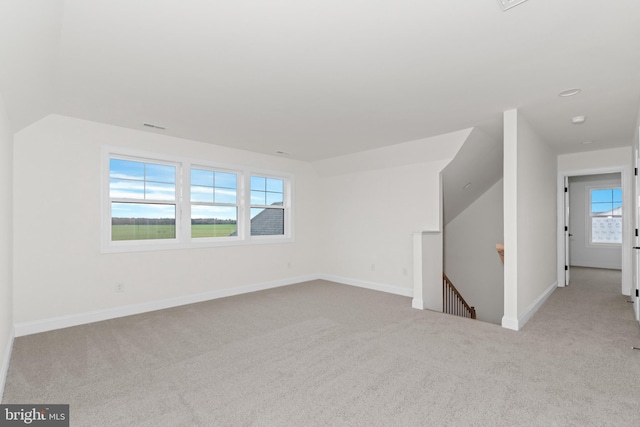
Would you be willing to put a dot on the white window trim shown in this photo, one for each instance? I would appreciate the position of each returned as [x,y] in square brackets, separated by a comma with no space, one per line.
[186,189]
[588,221]
[183,238]
[287,203]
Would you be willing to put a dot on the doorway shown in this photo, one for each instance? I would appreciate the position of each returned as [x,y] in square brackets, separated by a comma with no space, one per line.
[581,180]
[595,221]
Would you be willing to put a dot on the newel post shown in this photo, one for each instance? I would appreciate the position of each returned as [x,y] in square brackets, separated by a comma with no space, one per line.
[427,270]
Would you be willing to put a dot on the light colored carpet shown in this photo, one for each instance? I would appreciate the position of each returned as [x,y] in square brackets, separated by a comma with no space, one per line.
[320,353]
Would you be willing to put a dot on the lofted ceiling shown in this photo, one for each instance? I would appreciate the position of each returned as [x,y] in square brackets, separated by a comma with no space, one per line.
[319,79]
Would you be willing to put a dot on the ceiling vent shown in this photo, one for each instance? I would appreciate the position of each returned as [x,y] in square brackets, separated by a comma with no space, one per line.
[150,125]
[508,4]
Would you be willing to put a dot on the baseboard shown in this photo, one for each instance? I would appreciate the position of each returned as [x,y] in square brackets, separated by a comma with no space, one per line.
[535,305]
[517,324]
[510,323]
[4,368]
[44,325]
[596,264]
[390,289]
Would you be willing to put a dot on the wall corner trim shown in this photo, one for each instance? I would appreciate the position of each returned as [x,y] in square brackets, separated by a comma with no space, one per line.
[4,368]
[417,303]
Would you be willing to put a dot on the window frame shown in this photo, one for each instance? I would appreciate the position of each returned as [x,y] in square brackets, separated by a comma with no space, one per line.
[286,203]
[190,203]
[183,203]
[589,216]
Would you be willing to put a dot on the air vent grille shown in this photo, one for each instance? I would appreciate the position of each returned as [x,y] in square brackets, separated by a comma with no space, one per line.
[149,125]
[508,4]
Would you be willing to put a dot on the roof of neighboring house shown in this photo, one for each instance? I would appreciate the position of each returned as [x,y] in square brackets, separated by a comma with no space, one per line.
[614,212]
[269,222]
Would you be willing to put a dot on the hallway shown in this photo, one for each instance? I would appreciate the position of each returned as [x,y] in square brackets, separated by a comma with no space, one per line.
[591,310]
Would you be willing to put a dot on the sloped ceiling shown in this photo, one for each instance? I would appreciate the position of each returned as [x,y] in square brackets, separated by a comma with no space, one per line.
[477,166]
[323,79]
[29,51]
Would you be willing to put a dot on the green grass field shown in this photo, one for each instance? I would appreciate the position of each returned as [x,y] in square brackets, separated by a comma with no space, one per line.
[165,231]
[209,230]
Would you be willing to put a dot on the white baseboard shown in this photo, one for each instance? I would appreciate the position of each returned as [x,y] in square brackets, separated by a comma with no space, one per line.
[4,368]
[517,324]
[417,303]
[44,325]
[535,305]
[510,323]
[390,289]
[595,264]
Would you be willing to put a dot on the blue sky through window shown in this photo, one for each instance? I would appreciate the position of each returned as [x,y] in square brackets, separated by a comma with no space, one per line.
[132,180]
[605,200]
[209,186]
[266,191]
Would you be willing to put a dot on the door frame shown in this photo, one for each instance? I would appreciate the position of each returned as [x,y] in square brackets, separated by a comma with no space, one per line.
[627,221]
[635,257]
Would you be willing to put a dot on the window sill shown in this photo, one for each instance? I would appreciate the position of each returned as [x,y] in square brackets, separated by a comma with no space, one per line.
[172,246]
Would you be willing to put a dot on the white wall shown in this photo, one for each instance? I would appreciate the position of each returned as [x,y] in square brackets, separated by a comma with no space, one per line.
[600,159]
[530,220]
[369,220]
[470,257]
[583,253]
[373,203]
[59,269]
[6,242]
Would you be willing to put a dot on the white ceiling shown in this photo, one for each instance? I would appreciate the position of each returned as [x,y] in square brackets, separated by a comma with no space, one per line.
[319,79]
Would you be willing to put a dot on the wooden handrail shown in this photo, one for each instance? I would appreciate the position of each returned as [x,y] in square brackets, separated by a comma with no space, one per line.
[452,301]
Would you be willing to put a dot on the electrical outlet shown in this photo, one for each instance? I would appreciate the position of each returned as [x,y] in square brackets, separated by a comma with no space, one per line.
[404,271]
[373,267]
[119,287]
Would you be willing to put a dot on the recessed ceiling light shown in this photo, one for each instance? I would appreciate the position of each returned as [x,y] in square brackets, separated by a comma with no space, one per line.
[467,185]
[569,92]
[578,120]
[586,142]
[508,4]
[284,153]
[149,125]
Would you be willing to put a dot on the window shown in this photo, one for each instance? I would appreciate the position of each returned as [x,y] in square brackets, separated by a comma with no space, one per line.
[214,203]
[152,202]
[606,215]
[267,206]
[143,200]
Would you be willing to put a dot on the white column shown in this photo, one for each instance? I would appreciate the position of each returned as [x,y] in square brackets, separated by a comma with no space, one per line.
[427,270]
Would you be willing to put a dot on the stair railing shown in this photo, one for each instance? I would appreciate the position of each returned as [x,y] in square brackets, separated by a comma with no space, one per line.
[452,301]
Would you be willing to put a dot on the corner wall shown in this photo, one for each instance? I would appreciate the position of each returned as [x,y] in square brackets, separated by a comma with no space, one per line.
[369,220]
[530,220]
[6,243]
[374,202]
